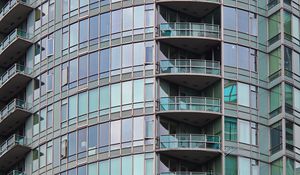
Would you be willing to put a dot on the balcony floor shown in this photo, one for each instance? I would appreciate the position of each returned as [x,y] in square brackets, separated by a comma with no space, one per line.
[13,121]
[13,51]
[12,156]
[196,118]
[13,86]
[194,81]
[198,156]
[14,17]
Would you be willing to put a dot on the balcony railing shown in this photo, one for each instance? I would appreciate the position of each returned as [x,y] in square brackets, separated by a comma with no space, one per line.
[190,104]
[187,173]
[189,66]
[12,141]
[16,68]
[190,141]
[17,33]
[15,104]
[16,172]
[9,5]
[189,29]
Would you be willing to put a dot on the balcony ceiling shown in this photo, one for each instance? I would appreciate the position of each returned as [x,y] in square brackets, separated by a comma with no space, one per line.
[195,118]
[197,156]
[13,86]
[14,17]
[196,8]
[197,45]
[194,81]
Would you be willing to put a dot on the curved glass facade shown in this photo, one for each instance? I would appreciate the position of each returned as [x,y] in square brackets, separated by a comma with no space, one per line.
[143,87]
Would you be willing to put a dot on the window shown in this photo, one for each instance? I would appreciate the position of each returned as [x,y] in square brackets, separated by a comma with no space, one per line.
[243,21]
[275,98]
[50,47]
[83,69]
[230,92]
[72,107]
[276,137]
[244,131]
[231,165]
[43,120]
[92,140]
[104,167]
[50,117]
[244,166]
[104,24]
[93,100]
[276,167]
[93,66]
[115,165]
[115,134]
[82,143]
[42,155]
[127,19]
[104,63]
[230,129]
[126,132]
[116,21]
[243,94]
[138,164]
[83,32]
[127,165]
[94,28]
[92,168]
[73,74]
[72,145]
[104,137]
[73,35]
[230,56]
[138,17]
[82,105]
[230,21]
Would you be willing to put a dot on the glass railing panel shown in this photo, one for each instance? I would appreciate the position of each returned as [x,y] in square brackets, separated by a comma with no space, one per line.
[190,66]
[193,141]
[190,29]
[16,68]
[12,36]
[9,5]
[11,141]
[190,103]
[188,173]
[16,103]
[16,172]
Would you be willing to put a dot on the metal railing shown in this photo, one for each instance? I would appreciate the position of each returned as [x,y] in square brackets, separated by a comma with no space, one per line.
[13,105]
[190,103]
[189,29]
[188,173]
[12,71]
[16,172]
[17,33]
[12,141]
[192,141]
[192,66]
[9,5]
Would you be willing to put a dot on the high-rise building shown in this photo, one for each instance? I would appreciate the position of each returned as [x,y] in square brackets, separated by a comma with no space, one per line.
[149,87]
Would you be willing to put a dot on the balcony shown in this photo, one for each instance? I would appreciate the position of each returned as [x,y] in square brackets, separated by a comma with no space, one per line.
[192,110]
[187,173]
[14,46]
[190,146]
[193,73]
[13,14]
[13,115]
[12,151]
[16,172]
[13,81]
[195,37]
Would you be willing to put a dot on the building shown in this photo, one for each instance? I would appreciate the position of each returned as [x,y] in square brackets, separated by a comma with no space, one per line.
[143,87]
